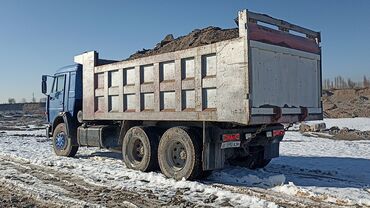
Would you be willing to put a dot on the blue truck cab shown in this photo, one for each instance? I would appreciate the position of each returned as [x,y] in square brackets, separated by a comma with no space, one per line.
[64,101]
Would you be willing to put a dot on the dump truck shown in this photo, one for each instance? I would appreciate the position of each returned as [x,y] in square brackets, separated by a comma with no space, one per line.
[190,111]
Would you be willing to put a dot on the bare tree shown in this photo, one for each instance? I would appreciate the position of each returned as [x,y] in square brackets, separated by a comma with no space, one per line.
[23,100]
[327,84]
[351,84]
[366,82]
[33,98]
[11,101]
[343,83]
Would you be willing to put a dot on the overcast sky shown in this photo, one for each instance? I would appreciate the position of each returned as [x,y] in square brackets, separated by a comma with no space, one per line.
[39,36]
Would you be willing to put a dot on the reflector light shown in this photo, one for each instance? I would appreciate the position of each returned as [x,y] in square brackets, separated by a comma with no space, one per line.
[278,133]
[230,137]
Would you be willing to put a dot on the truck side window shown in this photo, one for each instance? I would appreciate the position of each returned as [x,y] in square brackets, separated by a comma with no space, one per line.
[60,85]
[72,82]
[54,88]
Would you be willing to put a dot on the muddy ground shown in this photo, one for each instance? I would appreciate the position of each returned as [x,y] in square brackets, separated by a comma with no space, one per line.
[10,198]
[21,121]
[346,103]
[56,183]
[337,133]
[49,181]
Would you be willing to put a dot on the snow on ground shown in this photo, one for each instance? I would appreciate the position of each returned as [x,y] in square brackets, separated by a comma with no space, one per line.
[339,170]
[316,169]
[105,168]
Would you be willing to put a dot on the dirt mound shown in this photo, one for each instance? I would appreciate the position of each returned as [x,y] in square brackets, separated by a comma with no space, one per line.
[320,130]
[196,38]
[349,134]
[344,103]
[34,108]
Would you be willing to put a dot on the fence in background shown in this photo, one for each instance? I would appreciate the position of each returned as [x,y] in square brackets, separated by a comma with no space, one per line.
[34,108]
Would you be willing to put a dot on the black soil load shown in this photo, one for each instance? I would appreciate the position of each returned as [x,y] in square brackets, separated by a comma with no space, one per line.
[198,37]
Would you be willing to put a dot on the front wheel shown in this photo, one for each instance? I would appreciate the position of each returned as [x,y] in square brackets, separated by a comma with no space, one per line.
[62,144]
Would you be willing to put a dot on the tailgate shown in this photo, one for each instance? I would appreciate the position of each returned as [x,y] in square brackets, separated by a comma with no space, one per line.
[284,78]
[284,71]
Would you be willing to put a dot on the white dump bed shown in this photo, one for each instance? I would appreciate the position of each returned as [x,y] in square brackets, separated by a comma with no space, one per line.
[262,76]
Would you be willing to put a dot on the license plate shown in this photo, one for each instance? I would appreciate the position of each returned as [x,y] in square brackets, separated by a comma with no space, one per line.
[225,145]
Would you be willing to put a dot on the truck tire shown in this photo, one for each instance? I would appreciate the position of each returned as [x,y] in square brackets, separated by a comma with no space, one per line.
[180,153]
[62,144]
[140,148]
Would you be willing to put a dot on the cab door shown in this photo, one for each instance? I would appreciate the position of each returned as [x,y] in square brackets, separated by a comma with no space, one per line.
[56,98]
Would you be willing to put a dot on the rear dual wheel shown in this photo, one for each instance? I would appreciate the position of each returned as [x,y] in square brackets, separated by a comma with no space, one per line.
[140,148]
[179,153]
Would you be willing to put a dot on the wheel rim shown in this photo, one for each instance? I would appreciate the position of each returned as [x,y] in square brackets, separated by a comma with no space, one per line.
[61,141]
[136,150]
[176,155]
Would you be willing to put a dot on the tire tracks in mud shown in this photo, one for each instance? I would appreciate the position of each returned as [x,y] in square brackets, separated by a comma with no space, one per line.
[282,199]
[9,198]
[300,199]
[313,174]
[60,189]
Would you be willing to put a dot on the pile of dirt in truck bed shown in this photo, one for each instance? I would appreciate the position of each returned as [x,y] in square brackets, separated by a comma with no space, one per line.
[346,103]
[196,38]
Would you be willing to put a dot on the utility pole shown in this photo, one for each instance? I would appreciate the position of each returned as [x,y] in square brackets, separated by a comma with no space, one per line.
[33,97]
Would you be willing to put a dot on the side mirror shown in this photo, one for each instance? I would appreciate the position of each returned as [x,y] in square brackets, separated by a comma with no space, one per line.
[44,84]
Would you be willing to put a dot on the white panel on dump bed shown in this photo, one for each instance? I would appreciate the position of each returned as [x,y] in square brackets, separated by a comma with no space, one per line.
[129,102]
[99,81]
[187,68]
[146,73]
[188,99]
[209,65]
[167,71]
[113,103]
[168,100]
[99,104]
[147,101]
[129,76]
[113,78]
[284,77]
[209,98]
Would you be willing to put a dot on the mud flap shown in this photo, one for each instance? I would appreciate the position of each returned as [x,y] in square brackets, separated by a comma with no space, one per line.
[71,127]
[48,132]
[271,150]
[213,156]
